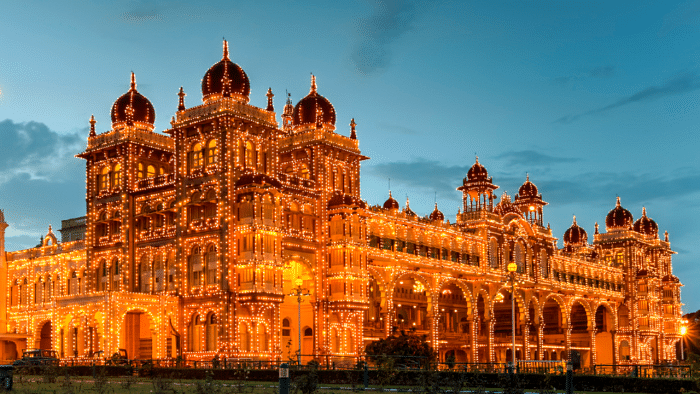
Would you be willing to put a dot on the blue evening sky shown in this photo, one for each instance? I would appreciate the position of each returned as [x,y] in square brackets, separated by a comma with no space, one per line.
[592,99]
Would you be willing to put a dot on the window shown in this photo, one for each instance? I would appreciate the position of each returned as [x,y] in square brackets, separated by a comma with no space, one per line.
[145,274]
[212,152]
[196,159]
[211,265]
[117,176]
[151,171]
[286,328]
[104,179]
[195,267]
[140,174]
[249,155]
[304,171]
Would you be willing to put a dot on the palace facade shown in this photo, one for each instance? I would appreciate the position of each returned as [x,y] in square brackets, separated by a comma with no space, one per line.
[200,241]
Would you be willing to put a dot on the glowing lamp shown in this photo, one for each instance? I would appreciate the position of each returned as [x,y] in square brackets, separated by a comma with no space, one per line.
[512,267]
[298,282]
[684,329]
[532,207]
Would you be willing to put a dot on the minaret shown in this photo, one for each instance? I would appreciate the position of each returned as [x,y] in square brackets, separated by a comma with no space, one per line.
[287,114]
[3,275]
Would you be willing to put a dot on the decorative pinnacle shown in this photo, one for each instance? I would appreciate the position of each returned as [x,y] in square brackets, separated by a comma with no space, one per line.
[225,57]
[477,159]
[313,84]
[269,95]
[596,227]
[133,81]
[353,135]
[527,177]
[181,103]
[574,219]
[618,201]
[92,126]
[644,211]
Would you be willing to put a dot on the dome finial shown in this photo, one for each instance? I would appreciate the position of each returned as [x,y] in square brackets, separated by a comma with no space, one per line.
[225,57]
[575,220]
[618,201]
[666,236]
[92,126]
[596,227]
[644,211]
[477,158]
[527,177]
[133,81]
[313,84]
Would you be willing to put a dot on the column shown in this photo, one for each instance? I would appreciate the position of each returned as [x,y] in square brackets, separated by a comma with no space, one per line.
[593,347]
[568,341]
[526,342]
[475,338]
[540,337]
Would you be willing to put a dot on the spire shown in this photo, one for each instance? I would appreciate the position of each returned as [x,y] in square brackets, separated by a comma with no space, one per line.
[353,135]
[225,57]
[644,212]
[133,81]
[575,221]
[666,235]
[596,227]
[92,126]
[527,177]
[313,84]
[172,122]
[269,95]
[477,159]
[181,102]
[618,201]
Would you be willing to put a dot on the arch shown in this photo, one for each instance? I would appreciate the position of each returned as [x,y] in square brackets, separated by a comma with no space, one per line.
[623,319]
[456,312]
[493,253]
[604,324]
[140,173]
[117,176]
[150,171]
[196,159]
[553,315]
[624,350]
[45,335]
[212,152]
[212,332]
[137,334]
[249,152]
[304,171]
[103,178]
[580,316]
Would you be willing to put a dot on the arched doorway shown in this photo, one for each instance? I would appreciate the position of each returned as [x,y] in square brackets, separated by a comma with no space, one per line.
[454,319]
[503,326]
[580,334]
[45,336]
[603,337]
[138,339]
[297,273]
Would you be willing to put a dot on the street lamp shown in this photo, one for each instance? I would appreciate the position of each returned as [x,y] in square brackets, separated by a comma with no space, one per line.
[684,330]
[512,268]
[299,292]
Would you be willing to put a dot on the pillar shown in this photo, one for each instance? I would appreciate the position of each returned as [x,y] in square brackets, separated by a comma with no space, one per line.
[540,338]
[475,338]
[526,342]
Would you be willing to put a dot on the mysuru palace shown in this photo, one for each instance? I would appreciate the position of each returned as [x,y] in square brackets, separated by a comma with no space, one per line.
[198,241]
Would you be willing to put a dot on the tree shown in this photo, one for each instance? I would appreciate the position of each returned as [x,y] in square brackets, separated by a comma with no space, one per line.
[406,349]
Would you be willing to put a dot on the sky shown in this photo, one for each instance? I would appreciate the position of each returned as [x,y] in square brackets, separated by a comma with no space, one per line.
[592,99]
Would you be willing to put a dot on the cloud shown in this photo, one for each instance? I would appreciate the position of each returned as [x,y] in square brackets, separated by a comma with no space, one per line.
[681,83]
[31,148]
[600,72]
[390,20]
[686,14]
[531,158]
[398,129]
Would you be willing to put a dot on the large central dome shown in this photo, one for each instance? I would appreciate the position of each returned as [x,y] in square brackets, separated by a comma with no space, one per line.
[133,109]
[314,109]
[225,79]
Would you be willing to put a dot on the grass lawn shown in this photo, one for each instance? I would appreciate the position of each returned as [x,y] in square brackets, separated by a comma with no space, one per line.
[133,385]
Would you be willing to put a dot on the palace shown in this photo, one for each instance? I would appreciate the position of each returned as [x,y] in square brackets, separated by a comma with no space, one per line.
[232,235]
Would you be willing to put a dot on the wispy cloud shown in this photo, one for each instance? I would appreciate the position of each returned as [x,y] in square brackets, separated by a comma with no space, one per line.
[600,72]
[531,158]
[398,129]
[390,20]
[679,84]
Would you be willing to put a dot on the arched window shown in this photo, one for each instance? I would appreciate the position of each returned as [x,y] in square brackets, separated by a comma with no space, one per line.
[304,171]
[249,155]
[196,159]
[195,268]
[145,276]
[286,328]
[160,272]
[140,174]
[195,334]
[150,171]
[493,253]
[211,265]
[117,176]
[212,333]
[115,275]
[519,257]
[212,152]
[103,179]
[544,262]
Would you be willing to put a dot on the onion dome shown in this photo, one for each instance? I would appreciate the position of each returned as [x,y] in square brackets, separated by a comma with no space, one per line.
[528,189]
[436,214]
[251,178]
[575,235]
[505,206]
[477,172]
[133,109]
[225,79]
[390,203]
[618,218]
[314,109]
[408,211]
[645,225]
[339,199]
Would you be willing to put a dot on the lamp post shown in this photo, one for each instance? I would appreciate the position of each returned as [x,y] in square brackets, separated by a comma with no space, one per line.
[684,330]
[512,268]
[299,292]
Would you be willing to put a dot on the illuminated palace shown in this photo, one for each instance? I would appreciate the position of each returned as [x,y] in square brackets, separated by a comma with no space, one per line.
[196,239]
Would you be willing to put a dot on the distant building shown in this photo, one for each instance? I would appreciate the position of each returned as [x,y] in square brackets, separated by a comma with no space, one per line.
[73,229]
[195,239]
